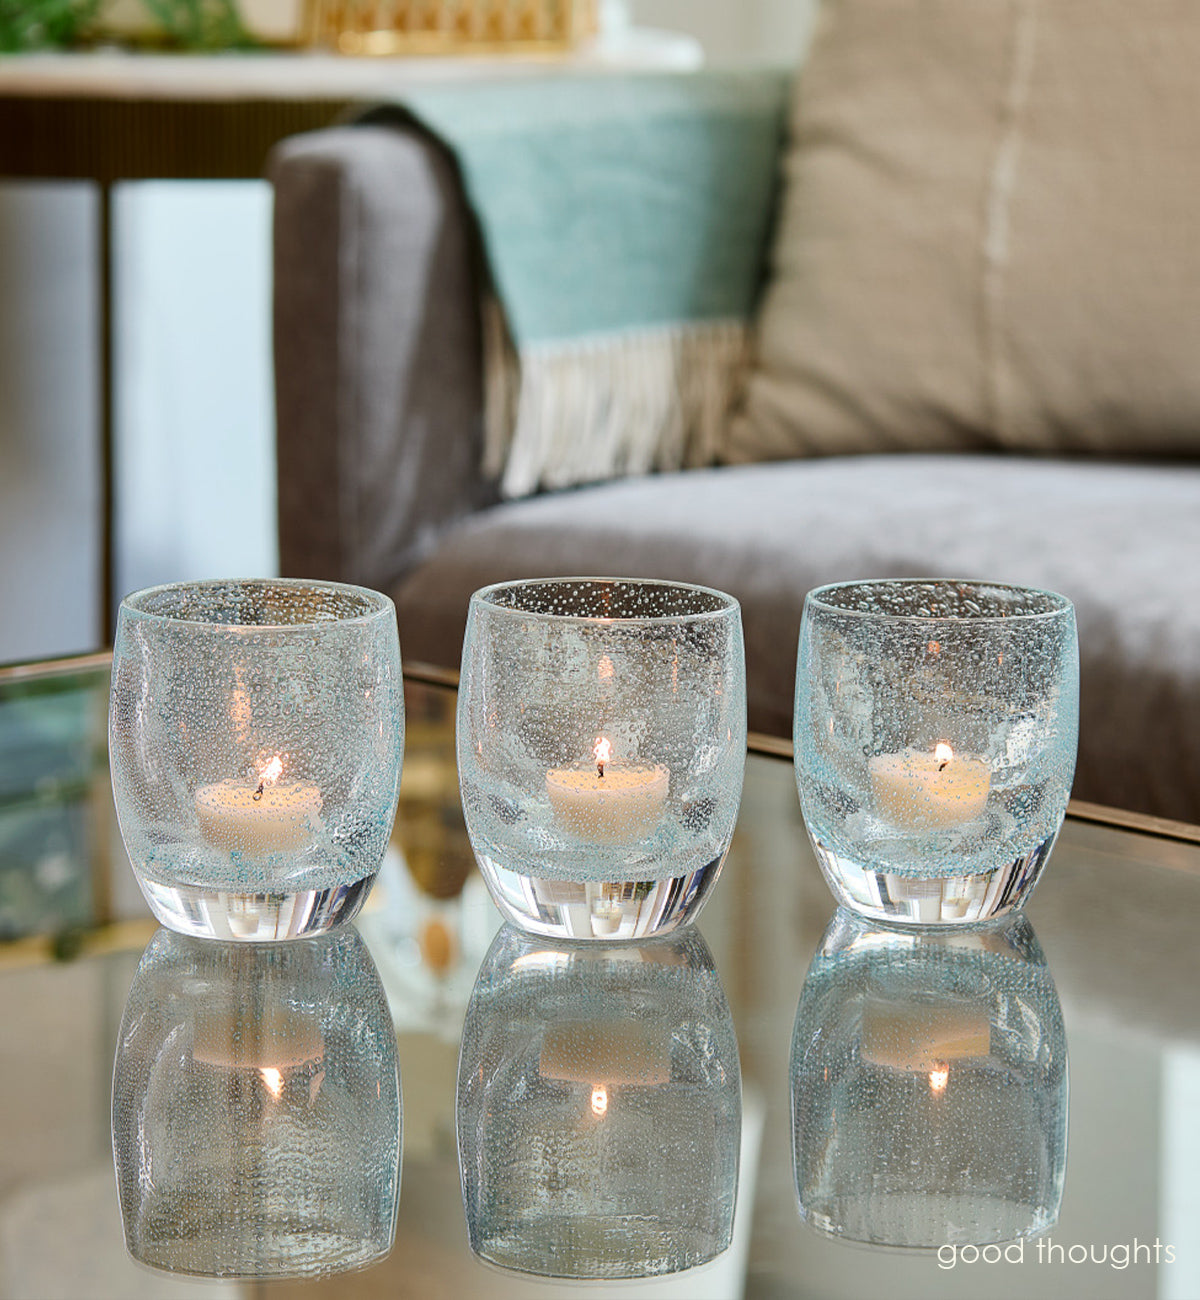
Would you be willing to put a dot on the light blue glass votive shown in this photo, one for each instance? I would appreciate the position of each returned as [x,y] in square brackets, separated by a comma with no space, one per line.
[256,731]
[601,748]
[935,736]
[256,1114]
[929,1086]
[599,1108]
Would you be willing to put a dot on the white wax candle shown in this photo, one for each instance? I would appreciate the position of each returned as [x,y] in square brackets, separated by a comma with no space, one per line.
[919,790]
[919,1037]
[273,817]
[608,802]
[606,1052]
[278,1041]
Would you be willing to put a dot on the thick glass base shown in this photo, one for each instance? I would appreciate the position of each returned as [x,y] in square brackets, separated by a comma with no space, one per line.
[611,910]
[210,913]
[924,1221]
[250,1247]
[906,899]
[598,1247]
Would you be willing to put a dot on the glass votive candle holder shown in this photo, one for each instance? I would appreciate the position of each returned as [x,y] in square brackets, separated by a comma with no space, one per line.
[256,731]
[601,747]
[599,1108]
[929,1086]
[256,1114]
[935,736]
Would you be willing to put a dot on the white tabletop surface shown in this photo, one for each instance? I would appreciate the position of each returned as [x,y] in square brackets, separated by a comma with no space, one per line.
[119,74]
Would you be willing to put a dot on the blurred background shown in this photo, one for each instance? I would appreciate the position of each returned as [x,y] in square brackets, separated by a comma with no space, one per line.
[193,432]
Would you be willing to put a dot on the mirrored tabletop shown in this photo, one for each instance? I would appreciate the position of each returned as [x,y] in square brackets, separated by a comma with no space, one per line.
[915,1086]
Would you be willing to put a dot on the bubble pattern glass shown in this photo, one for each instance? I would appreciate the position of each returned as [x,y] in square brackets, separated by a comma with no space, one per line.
[256,1113]
[256,731]
[935,735]
[929,1086]
[599,1108]
[601,747]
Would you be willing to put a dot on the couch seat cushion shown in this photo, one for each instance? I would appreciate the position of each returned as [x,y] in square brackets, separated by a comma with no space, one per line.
[1122,541]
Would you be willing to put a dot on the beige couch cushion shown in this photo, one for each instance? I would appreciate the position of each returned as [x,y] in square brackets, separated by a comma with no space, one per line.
[990,233]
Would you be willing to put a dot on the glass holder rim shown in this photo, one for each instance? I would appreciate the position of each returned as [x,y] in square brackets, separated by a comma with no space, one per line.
[380,605]
[725,604]
[1063,606]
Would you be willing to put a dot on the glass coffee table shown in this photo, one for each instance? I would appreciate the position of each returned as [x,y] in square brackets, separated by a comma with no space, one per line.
[1116,916]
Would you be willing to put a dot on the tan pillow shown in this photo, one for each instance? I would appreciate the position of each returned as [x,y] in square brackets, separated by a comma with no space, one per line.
[990,233]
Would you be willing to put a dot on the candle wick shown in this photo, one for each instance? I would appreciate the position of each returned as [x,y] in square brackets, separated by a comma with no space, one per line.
[941,766]
[600,769]
[258,794]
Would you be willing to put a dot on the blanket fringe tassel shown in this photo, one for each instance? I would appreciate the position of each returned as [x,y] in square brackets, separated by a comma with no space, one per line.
[564,413]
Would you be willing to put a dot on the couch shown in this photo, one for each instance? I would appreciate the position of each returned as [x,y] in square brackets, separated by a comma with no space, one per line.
[379,354]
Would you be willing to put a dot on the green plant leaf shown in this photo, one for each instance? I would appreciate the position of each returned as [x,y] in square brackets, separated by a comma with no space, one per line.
[44,24]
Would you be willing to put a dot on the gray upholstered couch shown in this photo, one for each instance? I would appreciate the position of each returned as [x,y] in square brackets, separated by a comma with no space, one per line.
[379,390]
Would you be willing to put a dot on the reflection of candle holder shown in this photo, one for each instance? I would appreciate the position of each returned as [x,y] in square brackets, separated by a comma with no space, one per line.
[929,1086]
[255,736]
[935,735]
[601,742]
[599,1108]
[256,1109]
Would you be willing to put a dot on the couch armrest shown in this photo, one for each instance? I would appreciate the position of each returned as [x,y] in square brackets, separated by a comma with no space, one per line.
[378,373]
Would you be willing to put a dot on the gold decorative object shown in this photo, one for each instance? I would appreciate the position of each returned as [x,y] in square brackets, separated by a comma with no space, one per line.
[450,26]
[429,831]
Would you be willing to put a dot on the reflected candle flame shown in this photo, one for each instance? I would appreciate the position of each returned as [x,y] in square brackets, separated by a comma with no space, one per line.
[599,1101]
[272,1081]
[938,1078]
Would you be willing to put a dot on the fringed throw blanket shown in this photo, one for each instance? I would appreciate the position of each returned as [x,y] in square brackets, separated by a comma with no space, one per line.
[624,223]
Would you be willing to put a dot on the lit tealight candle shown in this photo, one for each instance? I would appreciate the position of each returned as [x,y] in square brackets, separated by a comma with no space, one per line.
[271,817]
[610,801]
[918,790]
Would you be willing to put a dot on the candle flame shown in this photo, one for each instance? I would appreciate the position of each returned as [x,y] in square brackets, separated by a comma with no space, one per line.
[272,1080]
[268,776]
[939,1076]
[599,1101]
[943,753]
[606,671]
[603,751]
